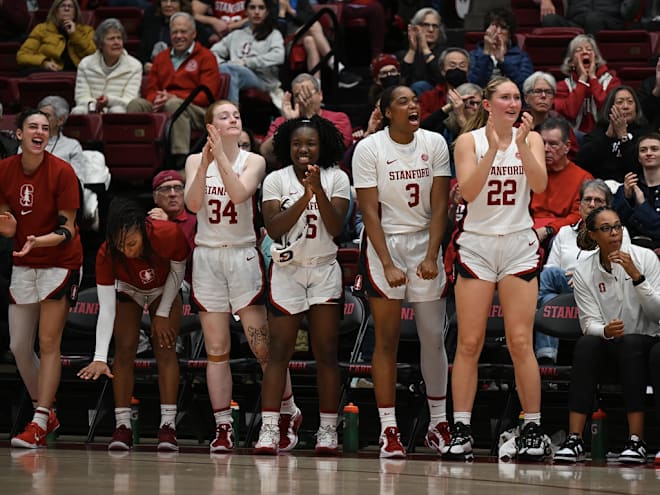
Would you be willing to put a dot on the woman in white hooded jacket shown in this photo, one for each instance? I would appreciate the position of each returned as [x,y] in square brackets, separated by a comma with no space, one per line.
[108,79]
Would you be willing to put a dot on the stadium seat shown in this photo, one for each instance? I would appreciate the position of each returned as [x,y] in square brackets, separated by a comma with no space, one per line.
[547,50]
[9,95]
[528,15]
[572,31]
[634,75]
[8,65]
[625,48]
[130,17]
[41,84]
[86,128]
[133,144]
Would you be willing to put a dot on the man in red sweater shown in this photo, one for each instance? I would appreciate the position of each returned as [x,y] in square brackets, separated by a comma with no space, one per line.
[559,204]
[173,76]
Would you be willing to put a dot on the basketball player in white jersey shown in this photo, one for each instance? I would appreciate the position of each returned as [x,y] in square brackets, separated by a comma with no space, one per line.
[497,167]
[228,270]
[304,207]
[402,179]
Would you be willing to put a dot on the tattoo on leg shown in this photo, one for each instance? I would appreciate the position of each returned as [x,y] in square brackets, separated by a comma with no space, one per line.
[257,336]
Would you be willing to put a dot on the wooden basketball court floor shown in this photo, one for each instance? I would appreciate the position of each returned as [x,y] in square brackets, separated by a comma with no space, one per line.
[77,468]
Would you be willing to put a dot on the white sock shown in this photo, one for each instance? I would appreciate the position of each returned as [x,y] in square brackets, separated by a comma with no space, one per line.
[270,418]
[123,417]
[387,418]
[532,418]
[463,417]
[41,417]
[328,419]
[437,410]
[168,415]
[288,406]
[223,416]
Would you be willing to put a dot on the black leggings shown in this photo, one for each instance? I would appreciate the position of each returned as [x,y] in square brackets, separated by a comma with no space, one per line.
[630,360]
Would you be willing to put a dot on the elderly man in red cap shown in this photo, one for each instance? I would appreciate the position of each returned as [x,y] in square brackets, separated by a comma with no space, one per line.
[167,188]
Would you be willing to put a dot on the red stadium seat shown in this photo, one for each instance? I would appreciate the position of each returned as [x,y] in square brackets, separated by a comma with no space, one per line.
[41,84]
[9,95]
[86,128]
[528,15]
[573,31]
[8,65]
[625,48]
[634,75]
[547,51]
[133,144]
[8,122]
[130,17]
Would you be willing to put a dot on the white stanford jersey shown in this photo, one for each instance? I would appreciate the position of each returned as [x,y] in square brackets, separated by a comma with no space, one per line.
[403,175]
[317,242]
[220,222]
[502,205]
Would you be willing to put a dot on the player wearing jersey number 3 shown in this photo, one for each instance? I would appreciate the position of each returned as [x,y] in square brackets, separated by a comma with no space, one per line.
[402,179]
[497,167]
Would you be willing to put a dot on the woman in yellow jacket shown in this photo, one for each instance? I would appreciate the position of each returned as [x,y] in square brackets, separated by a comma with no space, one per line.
[60,42]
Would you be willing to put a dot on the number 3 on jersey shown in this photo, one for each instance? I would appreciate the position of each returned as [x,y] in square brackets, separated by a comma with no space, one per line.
[216,212]
[502,192]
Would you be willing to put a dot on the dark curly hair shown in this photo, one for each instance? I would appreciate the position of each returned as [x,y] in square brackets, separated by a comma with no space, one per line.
[584,240]
[330,139]
[124,215]
[28,112]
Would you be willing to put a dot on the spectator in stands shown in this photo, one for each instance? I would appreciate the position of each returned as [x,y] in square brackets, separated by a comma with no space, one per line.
[304,207]
[385,72]
[110,78]
[68,149]
[463,102]
[39,197]
[219,18]
[421,64]
[58,44]
[499,54]
[404,221]
[315,42]
[455,67]
[637,201]
[617,291]
[141,263]
[305,101]
[155,29]
[557,274]
[539,90]
[610,150]
[14,20]
[558,204]
[252,56]
[247,141]
[174,75]
[649,97]
[590,15]
[581,95]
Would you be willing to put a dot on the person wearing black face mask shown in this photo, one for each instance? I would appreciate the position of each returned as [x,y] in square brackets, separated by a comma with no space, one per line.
[385,72]
[454,66]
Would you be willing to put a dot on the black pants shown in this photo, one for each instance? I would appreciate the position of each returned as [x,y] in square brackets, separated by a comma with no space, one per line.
[631,360]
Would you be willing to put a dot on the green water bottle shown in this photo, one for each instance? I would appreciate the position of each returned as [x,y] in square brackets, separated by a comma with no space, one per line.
[351,439]
[235,419]
[598,436]
[135,420]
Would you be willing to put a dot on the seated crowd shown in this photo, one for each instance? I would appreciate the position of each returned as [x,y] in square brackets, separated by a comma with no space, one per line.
[473,174]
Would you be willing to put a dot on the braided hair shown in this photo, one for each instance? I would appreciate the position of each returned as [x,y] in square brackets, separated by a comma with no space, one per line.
[330,139]
[125,215]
